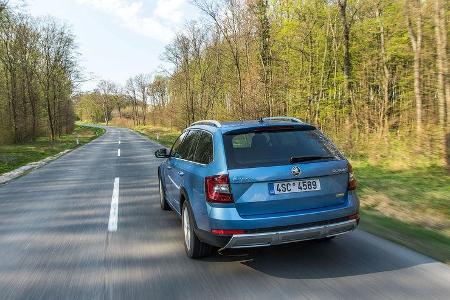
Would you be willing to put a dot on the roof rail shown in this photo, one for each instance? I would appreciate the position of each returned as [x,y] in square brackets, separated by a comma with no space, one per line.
[288,119]
[207,122]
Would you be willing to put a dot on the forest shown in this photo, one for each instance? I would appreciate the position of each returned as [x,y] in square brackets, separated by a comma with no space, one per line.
[38,75]
[372,74]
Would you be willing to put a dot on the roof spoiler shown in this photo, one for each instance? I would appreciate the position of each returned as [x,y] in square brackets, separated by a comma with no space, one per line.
[208,122]
[281,119]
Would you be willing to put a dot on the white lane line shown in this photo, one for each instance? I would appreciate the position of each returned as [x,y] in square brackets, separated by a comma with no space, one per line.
[119,142]
[118,152]
[114,212]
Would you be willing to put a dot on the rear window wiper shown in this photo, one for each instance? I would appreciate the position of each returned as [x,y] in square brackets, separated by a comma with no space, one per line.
[296,159]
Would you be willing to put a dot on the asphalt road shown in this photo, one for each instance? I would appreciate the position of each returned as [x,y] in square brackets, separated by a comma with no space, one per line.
[55,243]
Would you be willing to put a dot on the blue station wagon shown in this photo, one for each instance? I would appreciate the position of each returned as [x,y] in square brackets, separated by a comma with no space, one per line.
[256,183]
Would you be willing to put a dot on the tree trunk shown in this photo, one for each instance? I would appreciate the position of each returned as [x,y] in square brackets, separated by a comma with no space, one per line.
[241,94]
[50,118]
[441,52]
[416,43]
[265,53]
[105,107]
[13,100]
[346,35]
[33,103]
[383,122]
[347,69]
[443,85]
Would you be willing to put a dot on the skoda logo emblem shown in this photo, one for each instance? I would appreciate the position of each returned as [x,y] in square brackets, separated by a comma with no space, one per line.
[296,171]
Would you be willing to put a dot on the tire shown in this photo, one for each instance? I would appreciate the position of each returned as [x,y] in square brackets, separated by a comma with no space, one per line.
[162,197]
[193,246]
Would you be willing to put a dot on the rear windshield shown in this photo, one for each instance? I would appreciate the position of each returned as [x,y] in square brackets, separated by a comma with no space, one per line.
[271,148]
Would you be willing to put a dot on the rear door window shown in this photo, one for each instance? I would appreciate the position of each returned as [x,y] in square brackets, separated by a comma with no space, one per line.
[185,146]
[271,148]
[176,145]
[204,151]
[194,137]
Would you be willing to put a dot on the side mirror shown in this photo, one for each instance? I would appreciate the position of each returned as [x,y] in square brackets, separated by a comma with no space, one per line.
[161,153]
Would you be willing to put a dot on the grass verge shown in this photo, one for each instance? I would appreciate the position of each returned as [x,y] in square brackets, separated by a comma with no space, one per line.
[410,206]
[429,242]
[419,194]
[162,135]
[16,155]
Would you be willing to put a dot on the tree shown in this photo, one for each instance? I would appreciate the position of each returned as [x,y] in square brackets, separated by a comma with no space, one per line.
[37,77]
[131,91]
[443,83]
[346,24]
[142,82]
[229,25]
[414,7]
[59,67]
[158,93]
[265,52]
[107,91]
[386,78]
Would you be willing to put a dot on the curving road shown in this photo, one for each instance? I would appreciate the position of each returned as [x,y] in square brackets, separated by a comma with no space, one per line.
[55,243]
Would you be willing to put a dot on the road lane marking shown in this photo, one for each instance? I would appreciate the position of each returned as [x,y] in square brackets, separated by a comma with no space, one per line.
[119,142]
[114,212]
[118,152]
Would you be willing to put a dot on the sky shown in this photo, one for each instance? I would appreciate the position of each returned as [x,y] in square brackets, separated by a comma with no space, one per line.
[118,39]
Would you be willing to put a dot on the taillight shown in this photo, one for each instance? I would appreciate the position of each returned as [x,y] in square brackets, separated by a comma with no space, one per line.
[217,189]
[352,183]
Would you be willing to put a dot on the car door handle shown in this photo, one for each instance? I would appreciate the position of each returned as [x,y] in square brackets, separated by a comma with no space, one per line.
[180,173]
[169,167]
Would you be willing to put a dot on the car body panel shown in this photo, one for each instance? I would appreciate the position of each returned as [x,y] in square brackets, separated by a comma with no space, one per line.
[227,217]
[251,189]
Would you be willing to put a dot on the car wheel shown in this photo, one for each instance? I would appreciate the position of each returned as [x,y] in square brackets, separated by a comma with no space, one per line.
[193,246]
[162,197]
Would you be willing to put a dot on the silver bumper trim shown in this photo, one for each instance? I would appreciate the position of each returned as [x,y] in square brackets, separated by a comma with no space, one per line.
[288,236]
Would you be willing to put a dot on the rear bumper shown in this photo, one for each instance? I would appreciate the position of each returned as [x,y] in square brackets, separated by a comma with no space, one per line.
[227,216]
[289,236]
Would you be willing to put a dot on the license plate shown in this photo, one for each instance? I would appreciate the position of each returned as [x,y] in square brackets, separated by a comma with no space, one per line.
[297,186]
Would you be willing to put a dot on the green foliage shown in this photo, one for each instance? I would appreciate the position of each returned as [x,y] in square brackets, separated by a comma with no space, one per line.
[89,107]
